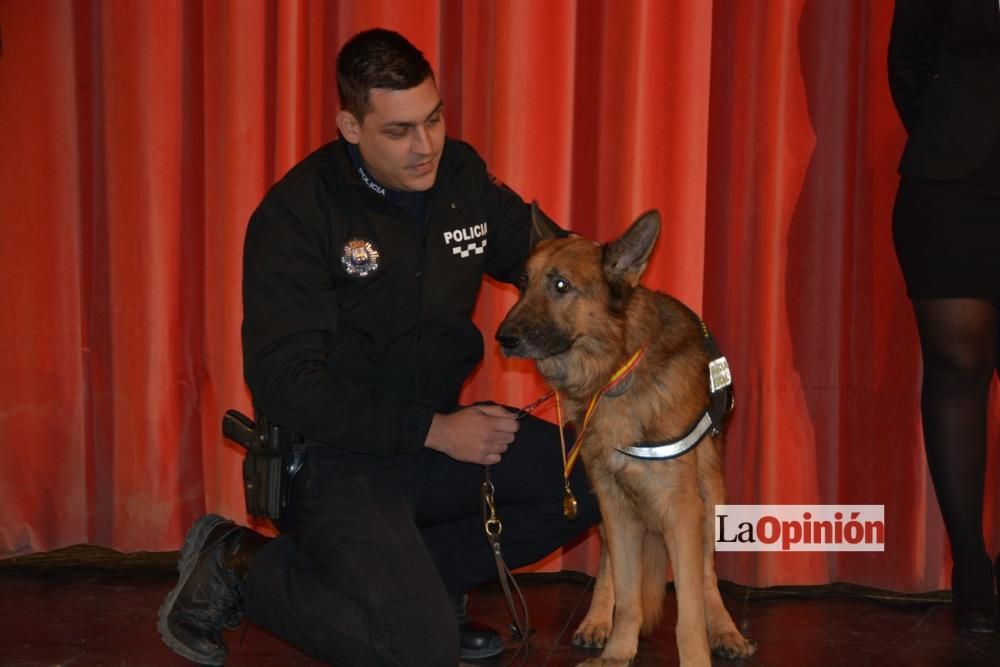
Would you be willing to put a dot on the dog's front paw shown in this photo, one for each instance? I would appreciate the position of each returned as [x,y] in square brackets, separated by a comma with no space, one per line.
[732,645]
[591,633]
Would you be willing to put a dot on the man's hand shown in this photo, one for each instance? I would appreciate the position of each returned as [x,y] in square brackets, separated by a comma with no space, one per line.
[476,434]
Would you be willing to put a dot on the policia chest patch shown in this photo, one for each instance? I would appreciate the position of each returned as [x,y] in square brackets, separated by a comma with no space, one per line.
[467,241]
[360,258]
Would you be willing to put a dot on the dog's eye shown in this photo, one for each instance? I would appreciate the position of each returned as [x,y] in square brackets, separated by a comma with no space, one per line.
[522,282]
[561,285]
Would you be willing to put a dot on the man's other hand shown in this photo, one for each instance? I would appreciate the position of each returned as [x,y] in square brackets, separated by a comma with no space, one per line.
[476,434]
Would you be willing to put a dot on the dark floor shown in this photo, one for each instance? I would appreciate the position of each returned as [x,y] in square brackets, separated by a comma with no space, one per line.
[73,610]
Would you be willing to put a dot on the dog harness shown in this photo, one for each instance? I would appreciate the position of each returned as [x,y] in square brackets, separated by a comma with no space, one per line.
[720,404]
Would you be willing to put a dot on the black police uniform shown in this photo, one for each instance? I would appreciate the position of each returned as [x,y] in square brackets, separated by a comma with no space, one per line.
[357,328]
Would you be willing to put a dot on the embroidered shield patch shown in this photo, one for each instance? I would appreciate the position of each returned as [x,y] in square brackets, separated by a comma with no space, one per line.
[360,258]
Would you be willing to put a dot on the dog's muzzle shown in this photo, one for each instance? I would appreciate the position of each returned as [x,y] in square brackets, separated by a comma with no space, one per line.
[508,342]
[530,343]
[513,344]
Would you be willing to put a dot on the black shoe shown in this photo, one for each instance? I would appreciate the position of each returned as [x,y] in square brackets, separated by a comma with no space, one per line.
[975,609]
[208,596]
[475,640]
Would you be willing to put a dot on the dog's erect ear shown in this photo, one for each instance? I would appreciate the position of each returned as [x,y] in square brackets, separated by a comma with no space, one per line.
[625,259]
[542,227]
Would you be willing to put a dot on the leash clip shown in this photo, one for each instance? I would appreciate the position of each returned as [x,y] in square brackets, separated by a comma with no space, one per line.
[492,524]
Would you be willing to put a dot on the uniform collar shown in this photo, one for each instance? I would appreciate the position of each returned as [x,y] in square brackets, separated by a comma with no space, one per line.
[414,203]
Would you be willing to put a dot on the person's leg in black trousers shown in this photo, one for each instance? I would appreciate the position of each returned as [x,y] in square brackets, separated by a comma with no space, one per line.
[959,343]
[350,581]
[529,493]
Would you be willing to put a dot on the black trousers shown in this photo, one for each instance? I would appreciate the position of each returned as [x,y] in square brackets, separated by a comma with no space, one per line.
[369,555]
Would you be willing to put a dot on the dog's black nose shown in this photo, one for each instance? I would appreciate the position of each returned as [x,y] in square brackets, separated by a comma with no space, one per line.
[508,341]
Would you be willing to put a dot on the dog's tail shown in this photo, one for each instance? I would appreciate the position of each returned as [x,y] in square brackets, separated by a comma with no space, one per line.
[654,570]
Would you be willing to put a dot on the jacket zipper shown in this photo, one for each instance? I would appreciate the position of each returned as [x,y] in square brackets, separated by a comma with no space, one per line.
[421,267]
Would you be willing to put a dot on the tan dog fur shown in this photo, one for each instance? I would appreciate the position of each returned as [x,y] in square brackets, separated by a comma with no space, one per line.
[650,508]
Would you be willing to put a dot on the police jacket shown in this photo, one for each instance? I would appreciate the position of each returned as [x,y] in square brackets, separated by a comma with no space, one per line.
[358,318]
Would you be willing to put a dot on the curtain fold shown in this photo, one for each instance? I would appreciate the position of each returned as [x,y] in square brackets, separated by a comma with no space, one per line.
[137,138]
[761,142]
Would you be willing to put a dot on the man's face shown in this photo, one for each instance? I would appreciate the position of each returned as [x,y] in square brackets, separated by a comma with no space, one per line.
[402,137]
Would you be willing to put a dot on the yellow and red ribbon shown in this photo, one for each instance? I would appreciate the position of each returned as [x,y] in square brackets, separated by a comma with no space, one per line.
[569,460]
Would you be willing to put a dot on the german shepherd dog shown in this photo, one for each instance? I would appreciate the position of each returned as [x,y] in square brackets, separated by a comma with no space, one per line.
[581,315]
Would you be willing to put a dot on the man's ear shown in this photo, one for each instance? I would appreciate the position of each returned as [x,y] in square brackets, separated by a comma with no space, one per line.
[349,126]
[542,227]
[625,259]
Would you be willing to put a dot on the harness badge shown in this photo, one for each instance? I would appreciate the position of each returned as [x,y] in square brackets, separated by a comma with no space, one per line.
[360,258]
[719,375]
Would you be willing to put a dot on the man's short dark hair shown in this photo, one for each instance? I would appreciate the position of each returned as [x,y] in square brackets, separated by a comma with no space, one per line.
[377,58]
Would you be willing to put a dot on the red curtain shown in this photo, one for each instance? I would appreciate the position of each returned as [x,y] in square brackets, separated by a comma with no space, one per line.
[136,138]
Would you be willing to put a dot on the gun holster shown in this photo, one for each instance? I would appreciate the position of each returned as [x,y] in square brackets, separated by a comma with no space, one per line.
[274,455]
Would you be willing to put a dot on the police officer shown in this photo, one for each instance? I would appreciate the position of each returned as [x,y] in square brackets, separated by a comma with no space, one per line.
[361,270]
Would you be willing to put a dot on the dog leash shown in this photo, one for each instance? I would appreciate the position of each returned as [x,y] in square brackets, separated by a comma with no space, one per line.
[493,527]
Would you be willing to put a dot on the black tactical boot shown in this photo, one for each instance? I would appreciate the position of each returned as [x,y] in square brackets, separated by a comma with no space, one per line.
[208,596]
[475,640]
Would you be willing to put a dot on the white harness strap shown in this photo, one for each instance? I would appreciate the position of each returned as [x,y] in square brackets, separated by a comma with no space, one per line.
[720,403]
[670,450]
